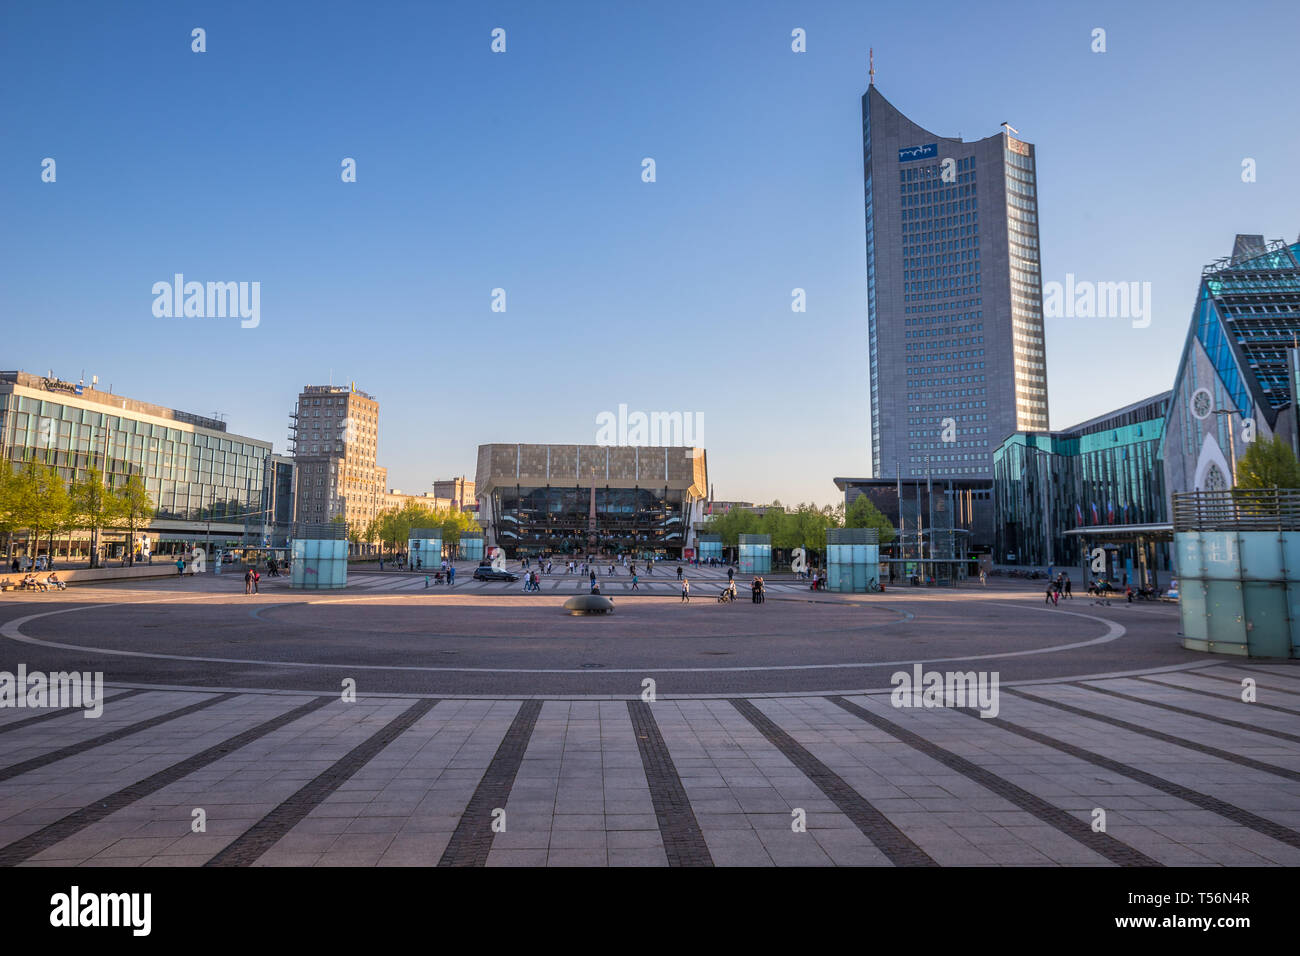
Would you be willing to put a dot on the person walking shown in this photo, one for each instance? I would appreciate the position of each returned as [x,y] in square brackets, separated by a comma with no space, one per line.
[592,576]
[753,590]
[762,590]
[1048,598]
[180,566]
[257,579]
[248,581]
[686,590]
[1067,588]
[984,578]
[634,579]
[731,574]
[679,572]
[451,575]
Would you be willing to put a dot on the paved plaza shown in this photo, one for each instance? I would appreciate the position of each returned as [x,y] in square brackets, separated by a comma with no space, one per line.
[490,728]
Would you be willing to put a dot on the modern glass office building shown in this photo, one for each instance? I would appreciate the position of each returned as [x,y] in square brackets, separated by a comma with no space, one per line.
[954,295]
[573,499]
[1103,473]
[206,483]
[1238,366]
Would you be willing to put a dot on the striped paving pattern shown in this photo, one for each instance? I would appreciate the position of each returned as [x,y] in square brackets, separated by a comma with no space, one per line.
[1175,767]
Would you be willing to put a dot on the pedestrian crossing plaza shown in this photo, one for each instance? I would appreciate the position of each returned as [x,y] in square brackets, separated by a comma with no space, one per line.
[387,726]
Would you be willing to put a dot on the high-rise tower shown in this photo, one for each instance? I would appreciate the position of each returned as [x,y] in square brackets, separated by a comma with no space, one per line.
[954,295]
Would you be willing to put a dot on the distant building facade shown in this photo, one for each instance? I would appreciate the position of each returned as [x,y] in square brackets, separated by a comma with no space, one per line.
[571,499]
[334,434]
[459,491]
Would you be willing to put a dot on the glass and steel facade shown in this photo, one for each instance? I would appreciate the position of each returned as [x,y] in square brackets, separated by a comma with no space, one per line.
[1234,380]
[710,547]
[755,552]
[319,564]
[954,296]
[1106,471]
[193,469]
[470,546]
[1238,565]
[558,520]
[424,548]
[852,559]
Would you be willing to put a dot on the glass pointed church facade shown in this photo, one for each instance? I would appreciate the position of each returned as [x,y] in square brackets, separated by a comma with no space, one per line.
[1238,365]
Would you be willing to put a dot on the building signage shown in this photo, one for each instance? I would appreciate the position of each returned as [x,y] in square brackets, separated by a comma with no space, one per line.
[55,385]
[1017,147]
[929,151]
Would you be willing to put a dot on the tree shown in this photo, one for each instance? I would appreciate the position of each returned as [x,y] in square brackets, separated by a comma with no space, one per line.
[93,506]
[134,510]
[40,502]
[9,505]
[1268,464]
[863,514]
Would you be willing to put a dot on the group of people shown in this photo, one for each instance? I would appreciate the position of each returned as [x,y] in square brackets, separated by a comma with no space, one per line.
[1058,587]
[31,582]
[252,577]
[31,564]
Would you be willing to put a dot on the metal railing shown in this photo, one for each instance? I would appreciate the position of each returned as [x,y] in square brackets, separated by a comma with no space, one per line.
[1266,509]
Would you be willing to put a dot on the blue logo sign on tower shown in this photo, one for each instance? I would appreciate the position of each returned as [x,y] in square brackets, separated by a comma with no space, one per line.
[929,151]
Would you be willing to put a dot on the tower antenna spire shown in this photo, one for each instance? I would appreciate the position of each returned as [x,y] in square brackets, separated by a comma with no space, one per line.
[871,66]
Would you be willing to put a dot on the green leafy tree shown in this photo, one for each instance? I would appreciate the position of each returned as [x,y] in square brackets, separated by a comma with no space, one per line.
[1268,464]
[93,506]
[863,514]
[10,517]
[41,502]
[134,511]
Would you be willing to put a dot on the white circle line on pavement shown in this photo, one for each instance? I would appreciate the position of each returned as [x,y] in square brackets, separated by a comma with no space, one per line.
[12,630]
[738,695]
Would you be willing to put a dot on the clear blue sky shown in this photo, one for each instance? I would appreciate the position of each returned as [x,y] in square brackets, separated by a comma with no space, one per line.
[523,171]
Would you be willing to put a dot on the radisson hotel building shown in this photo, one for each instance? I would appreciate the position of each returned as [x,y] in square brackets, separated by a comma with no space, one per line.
[954,296]
[206,483]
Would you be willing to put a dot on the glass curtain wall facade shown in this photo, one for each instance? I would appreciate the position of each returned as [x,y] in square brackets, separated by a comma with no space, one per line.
[470,546]
[558,520]
[1106,471]
[755,553]
[424,549]
[193,470]
[1236,364]
[852,559]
